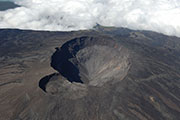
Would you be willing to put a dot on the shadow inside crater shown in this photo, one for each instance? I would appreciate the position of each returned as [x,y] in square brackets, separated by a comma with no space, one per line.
[60,62]
[64,62]
[43,82]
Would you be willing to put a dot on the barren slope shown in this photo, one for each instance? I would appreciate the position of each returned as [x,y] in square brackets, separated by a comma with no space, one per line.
[106,74]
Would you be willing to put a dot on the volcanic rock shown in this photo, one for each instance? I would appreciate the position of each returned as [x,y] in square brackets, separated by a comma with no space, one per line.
[101,74]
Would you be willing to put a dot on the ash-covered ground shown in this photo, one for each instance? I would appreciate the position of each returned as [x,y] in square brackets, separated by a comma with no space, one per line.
[101,74]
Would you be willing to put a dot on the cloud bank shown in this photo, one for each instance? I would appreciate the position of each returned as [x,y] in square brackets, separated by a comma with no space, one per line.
[64,15]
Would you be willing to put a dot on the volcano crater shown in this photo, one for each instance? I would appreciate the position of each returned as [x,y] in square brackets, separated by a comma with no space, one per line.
[91,60]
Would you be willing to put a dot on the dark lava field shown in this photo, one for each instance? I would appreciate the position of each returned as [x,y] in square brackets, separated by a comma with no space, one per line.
[101,74]
[5,5]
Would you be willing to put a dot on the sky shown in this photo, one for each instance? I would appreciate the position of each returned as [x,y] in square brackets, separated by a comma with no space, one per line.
[162,16]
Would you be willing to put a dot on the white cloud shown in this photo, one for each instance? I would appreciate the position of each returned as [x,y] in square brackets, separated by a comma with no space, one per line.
[157,15]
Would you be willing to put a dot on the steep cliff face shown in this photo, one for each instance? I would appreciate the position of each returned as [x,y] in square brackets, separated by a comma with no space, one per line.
[106,74]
